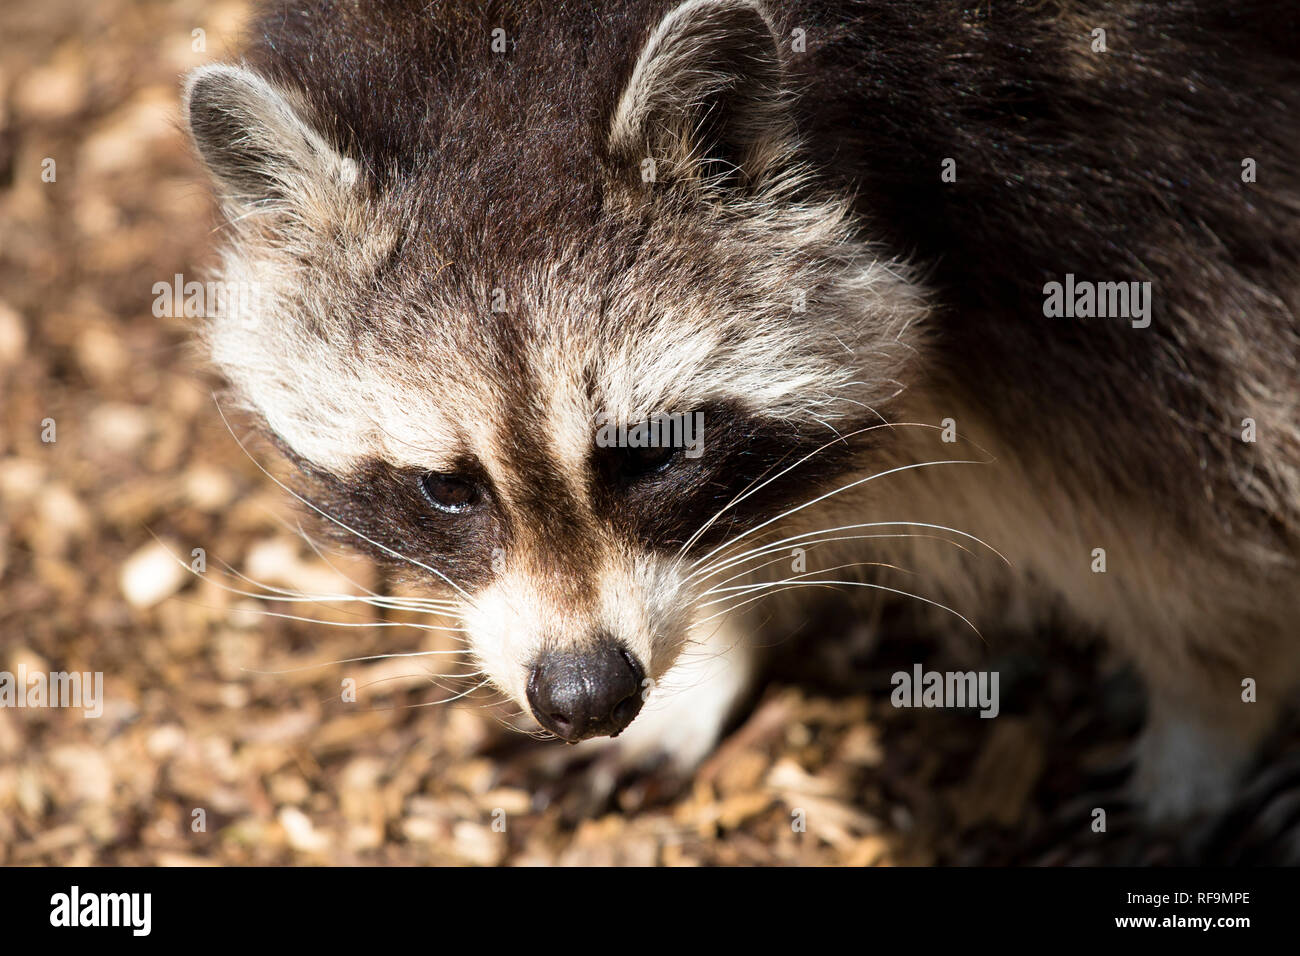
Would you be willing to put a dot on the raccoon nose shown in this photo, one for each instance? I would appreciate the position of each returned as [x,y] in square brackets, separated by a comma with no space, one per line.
[587,693]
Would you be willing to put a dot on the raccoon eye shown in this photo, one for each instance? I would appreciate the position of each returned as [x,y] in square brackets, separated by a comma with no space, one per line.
[450,493]
[641,462]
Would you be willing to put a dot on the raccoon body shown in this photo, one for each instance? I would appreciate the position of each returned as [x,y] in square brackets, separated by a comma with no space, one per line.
[980,292]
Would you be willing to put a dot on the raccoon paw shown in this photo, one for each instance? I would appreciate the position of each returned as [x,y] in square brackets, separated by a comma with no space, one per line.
[1185,771]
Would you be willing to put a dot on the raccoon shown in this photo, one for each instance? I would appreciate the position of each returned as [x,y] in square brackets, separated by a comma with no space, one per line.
[1003,296]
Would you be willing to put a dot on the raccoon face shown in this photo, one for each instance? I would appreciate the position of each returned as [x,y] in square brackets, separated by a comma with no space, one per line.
[549,400]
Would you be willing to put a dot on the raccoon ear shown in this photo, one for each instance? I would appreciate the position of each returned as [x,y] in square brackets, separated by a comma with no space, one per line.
[707,95]
[256,144]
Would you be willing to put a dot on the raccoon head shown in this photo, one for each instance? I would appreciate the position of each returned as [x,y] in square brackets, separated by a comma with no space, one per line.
[548,360]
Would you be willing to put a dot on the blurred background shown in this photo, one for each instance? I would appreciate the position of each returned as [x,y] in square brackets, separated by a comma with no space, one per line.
[223,703]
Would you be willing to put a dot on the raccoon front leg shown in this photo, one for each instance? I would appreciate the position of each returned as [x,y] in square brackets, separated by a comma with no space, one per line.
[1203,729]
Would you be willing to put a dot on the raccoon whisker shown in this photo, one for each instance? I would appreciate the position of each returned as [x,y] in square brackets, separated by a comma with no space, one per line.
[493,703]
[301,532]
[402,603]
[754,485]
[490,707]
[443,675]
[496,698]
[327,515]
[505,721]
[328,601]
[290,595]
[706,573]
[349,660]
[713,654]
[690,644]
[750,489]
[749,571]
[727,562]
[763,540]
[717,588]
[300,597]
[813,544]
[831,428]
[750,600]
[706,644]
[900,592]
[854,401]
[852,484]
[428,703]
[760,585]
[412,602]
[316,620]
[378,600]
[720,552]
[532,734]
[394,677]
[860,584]
[321,554]
[480,672]
[719,567]
[754,490]
[448,700]
[432,677]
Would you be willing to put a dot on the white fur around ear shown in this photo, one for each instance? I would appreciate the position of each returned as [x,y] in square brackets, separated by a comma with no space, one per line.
[708,84]
[258,147]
